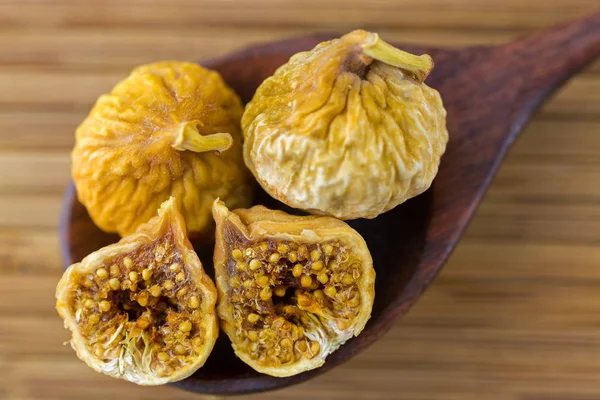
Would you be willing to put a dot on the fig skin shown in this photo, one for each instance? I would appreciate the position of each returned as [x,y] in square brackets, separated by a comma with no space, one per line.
[203,296]
[169,129]
[270,232]
[347,129]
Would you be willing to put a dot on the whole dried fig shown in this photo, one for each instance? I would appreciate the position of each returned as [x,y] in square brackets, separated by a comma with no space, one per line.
[347,129]
[142,309]
[291,289]
[169,129]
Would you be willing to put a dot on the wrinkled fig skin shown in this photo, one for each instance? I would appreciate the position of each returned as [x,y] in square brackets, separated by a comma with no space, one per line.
[169,129]
[142,309]
[347,129]
[291,289]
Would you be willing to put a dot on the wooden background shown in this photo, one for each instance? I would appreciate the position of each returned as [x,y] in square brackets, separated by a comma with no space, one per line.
[514,315]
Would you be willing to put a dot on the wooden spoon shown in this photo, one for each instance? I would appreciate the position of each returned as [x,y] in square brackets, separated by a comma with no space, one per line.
[489,92]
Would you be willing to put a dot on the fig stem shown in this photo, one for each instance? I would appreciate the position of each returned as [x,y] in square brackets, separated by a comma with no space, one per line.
[419,66]
[188,138]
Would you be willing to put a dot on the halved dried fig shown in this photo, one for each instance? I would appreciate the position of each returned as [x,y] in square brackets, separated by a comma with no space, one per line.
[291,289]
[142,309]
[169,129]
[348,129]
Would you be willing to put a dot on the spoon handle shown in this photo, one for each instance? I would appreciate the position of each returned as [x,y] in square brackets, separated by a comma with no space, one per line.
[490,93]
[543,61]
[495,90]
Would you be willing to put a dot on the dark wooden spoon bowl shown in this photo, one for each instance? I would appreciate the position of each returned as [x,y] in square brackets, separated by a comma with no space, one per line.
[489,93]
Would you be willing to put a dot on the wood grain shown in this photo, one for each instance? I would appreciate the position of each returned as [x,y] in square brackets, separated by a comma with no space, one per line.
[306,13]
[411,243]
[36,90]
[465,339]
[71,48]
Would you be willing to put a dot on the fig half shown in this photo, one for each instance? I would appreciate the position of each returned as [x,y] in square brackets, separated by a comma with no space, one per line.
[142,309]
[291,289]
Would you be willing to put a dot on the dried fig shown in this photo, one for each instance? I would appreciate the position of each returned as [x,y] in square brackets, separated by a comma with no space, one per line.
[142,309]
[291,289]
[169,129]
[347,129]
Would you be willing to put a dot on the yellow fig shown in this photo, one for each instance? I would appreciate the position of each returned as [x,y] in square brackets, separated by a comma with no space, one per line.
[348,129]
[168,129]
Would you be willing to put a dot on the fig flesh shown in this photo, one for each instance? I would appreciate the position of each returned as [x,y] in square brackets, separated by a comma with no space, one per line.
[291,289]
[142,309]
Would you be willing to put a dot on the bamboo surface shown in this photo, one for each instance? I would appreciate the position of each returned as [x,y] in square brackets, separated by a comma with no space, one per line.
[514,314]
